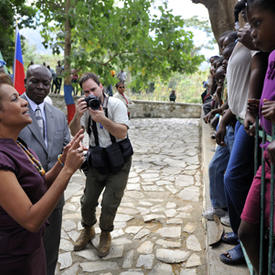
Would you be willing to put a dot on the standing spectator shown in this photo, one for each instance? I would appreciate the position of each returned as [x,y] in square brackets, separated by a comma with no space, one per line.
[47,144]
[262,31]
[109,89]
[110,124]
[172,96]
[54,83]
[245,74]
[120,94]
[31,63]
[59,70]
[122,76]
[218,164]
[74,76]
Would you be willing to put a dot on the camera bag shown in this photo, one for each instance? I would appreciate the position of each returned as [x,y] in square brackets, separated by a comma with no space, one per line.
[116,159]
[111,158]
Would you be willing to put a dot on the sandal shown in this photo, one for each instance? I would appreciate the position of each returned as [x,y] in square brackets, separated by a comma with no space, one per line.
[233,256]
[230,238]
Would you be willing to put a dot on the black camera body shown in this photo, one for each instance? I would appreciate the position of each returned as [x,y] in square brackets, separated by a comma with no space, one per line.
[93,102]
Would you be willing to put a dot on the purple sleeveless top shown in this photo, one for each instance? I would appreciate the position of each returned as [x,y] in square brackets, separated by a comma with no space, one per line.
[14,239]
[268,90]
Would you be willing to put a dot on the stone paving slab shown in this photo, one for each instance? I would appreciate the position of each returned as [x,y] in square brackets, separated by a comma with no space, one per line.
[158,227]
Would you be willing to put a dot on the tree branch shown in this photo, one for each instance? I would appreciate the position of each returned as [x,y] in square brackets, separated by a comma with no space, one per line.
[117,54]
[206,3]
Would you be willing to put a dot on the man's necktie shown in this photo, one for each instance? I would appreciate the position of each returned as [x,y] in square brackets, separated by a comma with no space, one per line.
[40,121]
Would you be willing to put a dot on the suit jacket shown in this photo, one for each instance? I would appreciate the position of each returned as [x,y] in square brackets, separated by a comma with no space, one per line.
[58,135]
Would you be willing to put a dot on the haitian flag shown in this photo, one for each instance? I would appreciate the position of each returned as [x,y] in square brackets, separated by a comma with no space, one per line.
[69,100]
[18,66]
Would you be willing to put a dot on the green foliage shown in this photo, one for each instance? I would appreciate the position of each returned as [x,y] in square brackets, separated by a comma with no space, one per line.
[203,25]
[10,11]
[106,37]
[188,88]
[197,23]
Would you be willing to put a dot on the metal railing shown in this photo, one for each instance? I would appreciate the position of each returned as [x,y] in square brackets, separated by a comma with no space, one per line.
[264,137]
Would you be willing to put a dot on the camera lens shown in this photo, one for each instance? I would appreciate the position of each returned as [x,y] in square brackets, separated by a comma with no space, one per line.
[93,102]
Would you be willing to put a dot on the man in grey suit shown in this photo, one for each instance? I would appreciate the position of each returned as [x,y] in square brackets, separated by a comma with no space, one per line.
[46,135]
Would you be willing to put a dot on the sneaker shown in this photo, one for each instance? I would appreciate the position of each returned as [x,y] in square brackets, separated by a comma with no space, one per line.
[225,220]
[209,214]
[87,234]
[213,135]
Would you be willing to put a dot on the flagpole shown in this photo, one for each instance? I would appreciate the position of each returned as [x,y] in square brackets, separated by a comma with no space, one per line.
[14,58]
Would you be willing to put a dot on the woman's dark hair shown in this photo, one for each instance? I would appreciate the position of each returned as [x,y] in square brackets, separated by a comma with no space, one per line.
[240,6]
[263,4]
[233,35]
[214,57]
[87,76]
[222,36]
[5,79]
[228,50]
[218,61]
[120,83]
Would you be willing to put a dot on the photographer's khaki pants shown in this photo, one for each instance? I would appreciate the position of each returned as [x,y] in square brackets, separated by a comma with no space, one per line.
[114,185]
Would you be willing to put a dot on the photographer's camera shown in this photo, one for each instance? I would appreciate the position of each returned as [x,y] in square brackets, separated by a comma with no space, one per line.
[93,102]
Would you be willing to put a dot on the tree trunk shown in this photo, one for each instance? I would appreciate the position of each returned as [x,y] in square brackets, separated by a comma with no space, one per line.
[67,50]
[221,15]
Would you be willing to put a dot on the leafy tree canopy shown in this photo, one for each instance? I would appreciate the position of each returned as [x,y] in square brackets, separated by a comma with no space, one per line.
[202,25]
[10,11]
[106,37]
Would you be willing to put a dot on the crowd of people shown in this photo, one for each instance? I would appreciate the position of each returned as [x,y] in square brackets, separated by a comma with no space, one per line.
[239,92]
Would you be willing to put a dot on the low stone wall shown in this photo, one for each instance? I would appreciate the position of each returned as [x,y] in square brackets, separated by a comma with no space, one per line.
[157,109]
[148,109]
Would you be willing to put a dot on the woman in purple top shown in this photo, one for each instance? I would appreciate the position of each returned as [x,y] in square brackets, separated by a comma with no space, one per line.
[27,193]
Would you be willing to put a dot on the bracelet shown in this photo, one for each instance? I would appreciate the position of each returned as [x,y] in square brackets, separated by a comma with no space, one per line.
[59,160]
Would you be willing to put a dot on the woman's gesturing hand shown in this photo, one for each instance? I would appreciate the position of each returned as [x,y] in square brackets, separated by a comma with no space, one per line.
[74,152]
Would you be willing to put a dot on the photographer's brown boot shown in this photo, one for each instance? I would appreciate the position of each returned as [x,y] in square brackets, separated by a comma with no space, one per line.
[87,234]
[104,244]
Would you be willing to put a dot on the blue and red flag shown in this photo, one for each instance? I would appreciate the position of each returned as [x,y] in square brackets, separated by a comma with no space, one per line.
[69,100]
[18,66]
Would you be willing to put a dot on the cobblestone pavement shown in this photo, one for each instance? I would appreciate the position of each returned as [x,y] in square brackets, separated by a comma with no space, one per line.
[158,228]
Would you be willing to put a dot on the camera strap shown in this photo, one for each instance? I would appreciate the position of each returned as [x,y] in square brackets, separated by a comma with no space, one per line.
[94,128]
[95,133]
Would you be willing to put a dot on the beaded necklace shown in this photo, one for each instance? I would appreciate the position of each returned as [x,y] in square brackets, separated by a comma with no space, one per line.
[35,162]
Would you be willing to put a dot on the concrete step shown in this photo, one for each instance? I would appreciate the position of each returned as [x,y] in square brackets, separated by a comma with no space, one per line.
[214,265]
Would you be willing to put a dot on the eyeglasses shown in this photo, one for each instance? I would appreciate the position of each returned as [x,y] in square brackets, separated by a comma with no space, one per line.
[121,87]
